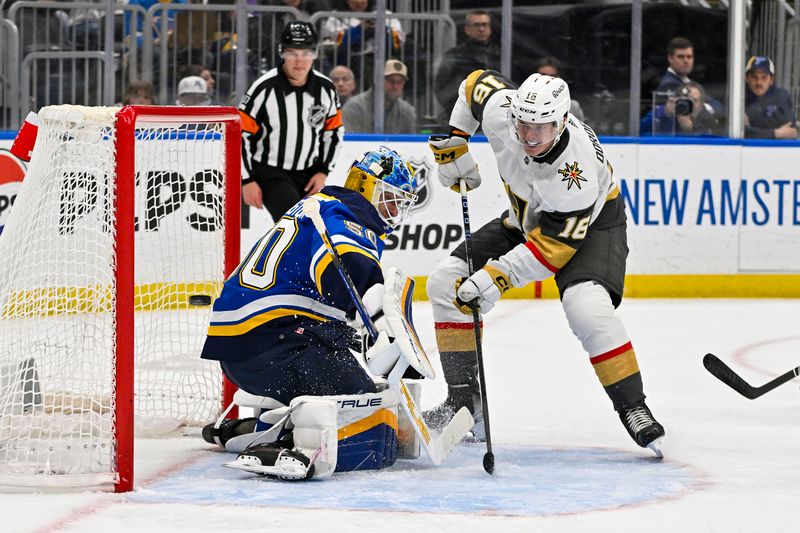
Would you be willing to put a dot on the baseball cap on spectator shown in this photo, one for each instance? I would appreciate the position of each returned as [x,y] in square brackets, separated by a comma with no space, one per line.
[760,62]
[193,90]
[394,66]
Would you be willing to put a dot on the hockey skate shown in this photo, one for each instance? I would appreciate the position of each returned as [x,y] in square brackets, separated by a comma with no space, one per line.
[228,429]
[441,415]
[642,427]
[274,460]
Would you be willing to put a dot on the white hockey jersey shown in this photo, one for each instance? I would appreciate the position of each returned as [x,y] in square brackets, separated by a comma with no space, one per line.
[555,199]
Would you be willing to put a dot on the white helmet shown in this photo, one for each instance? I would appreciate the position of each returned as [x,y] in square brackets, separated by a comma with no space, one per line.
[541,100]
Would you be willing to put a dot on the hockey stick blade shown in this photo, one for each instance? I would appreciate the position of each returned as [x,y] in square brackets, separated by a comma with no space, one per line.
[726,375]
[454,431]
[436,447]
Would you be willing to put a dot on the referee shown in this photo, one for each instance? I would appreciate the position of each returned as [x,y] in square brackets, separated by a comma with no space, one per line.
[291,126]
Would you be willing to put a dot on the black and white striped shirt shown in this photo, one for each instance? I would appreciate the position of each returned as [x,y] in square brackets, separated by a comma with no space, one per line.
[292,128]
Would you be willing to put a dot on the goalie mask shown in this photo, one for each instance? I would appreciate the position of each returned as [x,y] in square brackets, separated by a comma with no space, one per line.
[538,112]
[387,182]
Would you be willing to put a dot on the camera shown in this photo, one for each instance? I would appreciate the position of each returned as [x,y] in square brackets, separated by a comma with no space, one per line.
[684,105]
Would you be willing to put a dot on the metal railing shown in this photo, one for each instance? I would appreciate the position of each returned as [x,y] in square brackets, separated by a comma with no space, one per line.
[87,52]
[9,74]
[776,34]
[211,35]
[427,37]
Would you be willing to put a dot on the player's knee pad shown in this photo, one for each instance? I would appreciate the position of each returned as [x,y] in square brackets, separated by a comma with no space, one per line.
[441,288]
[590,313]
[315,431]
[367,430]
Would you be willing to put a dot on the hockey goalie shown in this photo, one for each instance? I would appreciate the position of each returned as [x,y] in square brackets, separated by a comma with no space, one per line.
[283,328]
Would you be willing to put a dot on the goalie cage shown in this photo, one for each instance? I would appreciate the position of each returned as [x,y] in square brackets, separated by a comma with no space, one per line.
[95,337]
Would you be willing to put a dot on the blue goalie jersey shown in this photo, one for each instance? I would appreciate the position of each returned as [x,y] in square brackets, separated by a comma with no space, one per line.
[287,284]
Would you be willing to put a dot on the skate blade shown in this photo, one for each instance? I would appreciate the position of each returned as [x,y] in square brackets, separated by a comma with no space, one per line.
[655,447]
[285,472]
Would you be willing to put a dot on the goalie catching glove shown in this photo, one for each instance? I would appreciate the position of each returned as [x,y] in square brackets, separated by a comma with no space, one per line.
[483,288]
[455,162]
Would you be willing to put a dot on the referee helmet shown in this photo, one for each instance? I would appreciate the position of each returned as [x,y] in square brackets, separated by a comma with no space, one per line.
[298,34]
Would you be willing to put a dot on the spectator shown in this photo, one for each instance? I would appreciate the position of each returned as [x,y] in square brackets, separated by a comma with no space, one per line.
[291,127]
[398,117]
[768,109]
[550,66]
[354,38]
[203,72]
[193,90]
[133,21]
[345,82]
[477,52]
[139,93]
[680,57]
[686,113]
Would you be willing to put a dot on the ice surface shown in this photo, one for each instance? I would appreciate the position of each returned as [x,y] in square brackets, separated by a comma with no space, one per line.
[564,461]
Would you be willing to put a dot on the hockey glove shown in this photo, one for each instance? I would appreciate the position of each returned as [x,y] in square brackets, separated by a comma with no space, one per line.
[482,289]
[455,162]
[382,356]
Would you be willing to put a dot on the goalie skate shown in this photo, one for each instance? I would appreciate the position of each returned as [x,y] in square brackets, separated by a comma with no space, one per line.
[275,462]
[222,431]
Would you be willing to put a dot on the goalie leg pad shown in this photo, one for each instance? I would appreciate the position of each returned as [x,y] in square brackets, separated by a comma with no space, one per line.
[315,430]
[368,427]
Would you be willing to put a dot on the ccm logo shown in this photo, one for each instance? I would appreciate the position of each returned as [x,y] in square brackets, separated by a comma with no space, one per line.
[444,157]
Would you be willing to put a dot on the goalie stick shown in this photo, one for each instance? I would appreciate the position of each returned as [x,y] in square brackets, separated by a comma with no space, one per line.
[437,448]
[488,457]
[730,378]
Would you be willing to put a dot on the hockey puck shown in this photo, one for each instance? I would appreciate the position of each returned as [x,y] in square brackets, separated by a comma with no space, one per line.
[199,300]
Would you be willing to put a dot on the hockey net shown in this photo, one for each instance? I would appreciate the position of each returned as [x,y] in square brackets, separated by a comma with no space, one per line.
[106,282]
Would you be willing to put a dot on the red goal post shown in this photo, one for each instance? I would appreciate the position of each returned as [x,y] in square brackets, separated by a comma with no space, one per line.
[127,224]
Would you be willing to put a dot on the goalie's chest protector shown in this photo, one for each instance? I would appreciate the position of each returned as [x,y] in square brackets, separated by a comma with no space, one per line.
[571,177]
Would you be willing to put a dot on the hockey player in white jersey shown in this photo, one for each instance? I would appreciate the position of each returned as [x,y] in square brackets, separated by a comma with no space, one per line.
[566,219]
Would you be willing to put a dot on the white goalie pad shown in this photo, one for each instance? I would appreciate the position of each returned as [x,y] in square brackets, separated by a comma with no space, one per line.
[315,431]
[398,323]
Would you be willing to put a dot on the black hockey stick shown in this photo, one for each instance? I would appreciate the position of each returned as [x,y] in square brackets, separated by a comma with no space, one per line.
[488,457]
[730,378]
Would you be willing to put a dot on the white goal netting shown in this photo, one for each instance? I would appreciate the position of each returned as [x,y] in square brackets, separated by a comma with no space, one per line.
[58,323]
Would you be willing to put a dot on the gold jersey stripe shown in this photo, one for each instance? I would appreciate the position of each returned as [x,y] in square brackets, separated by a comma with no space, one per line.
[325,260]
[471,79]
[613,193]
[617,368]
[555,252]
[252,323]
